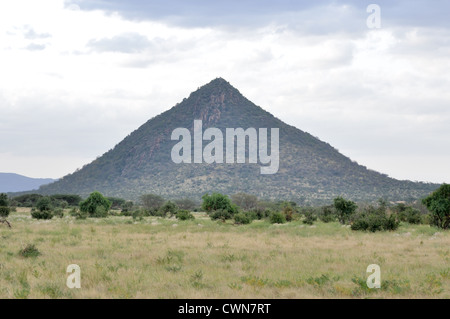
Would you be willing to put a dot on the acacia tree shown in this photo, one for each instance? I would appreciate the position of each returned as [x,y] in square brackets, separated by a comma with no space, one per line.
[438,203]
[344,209]
[152,201]
[244,201]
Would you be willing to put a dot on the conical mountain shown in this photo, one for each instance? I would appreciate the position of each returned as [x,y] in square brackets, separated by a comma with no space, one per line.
[310,171]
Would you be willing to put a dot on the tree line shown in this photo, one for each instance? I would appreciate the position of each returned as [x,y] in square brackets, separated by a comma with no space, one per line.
[242,208]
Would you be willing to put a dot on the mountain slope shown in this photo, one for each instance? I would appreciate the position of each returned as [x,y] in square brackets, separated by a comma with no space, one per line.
[310,170]
[10,182]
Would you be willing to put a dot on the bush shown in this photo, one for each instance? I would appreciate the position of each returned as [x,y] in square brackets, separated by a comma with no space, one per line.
[4,211]
[4,202]
[37,214]
[95,205]
[218,201]
[100,212]
[242,219]
[438,203]
[59,212]
[71,200]
[138,214]
[375,220]
[74,212]
[344,209]
[327,214]
[127,207]
[277,218]
[168,208]
[44,204]
[408,214]
[29,251]
[221,214]
[184,215]
[391,223]
[152,201]
[310,217]
[288,213]
[185,204]
[27,200]
[244,201]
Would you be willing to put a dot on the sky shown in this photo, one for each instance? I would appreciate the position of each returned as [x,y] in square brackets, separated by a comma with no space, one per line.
[77,76]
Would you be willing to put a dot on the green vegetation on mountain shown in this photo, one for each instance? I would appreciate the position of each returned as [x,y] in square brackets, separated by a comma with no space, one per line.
[311,171]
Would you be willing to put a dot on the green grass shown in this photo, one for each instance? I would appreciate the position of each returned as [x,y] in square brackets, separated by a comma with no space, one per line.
[168,258]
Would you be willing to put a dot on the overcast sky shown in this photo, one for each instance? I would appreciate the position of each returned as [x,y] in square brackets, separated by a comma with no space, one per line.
[76,77]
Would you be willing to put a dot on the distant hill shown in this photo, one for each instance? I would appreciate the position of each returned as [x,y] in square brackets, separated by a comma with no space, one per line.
[310,171]
[10,182]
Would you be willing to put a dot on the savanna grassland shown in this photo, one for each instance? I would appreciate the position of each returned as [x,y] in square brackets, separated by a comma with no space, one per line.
[167,258]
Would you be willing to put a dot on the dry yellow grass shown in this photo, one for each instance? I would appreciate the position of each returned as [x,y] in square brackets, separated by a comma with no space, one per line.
[157,258]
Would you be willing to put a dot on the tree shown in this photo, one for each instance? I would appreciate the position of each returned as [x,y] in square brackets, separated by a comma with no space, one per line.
[438,203]
[96,205]
[244,201]
[44,204]
[152,201]
[169,208]
[186,203]
[344,209]
[4,205]
[72,200]
[216,202]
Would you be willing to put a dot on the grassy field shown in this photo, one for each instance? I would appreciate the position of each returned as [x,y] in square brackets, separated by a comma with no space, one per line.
[166,258]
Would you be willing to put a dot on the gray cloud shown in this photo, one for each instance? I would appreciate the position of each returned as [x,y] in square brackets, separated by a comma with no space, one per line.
[242,13]
[35,47]
[30,34]
[124,43]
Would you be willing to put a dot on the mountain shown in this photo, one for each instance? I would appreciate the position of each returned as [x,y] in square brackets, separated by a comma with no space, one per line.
[10,182]
[310,171]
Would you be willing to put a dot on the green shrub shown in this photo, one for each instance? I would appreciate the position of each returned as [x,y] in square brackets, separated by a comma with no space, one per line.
[59,212]
[186,204]
[288,213]
[310,217]
[242,219]
[152,201]
[169,208]
[375,220]
[95,205]
[44,204]
[221,214]
[127,207]
[408,214]
[391,223]
[327,214]
[126,213]
[438,203]
[344,209]
[29,251]
[138,215]
[184,215]
[100,212]
[277,218]
[260,212]
[216,202]
[74,212]
[37,214]
[413,216]
[4,211]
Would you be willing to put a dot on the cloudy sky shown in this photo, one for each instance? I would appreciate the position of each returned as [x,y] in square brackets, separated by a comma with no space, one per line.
[77,76]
